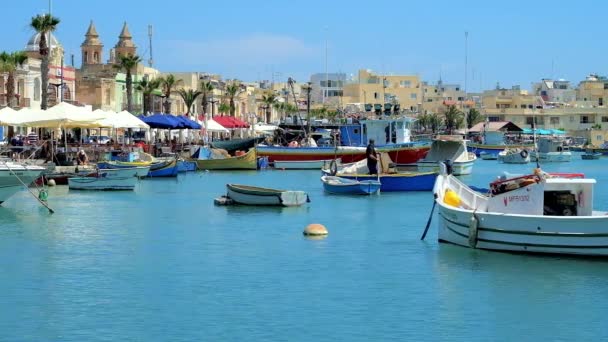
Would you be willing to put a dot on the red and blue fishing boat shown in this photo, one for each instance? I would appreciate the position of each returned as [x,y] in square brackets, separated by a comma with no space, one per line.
[391,136]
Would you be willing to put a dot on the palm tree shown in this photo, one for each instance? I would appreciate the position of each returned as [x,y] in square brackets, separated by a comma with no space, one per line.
[147,88]
[269,100]
[434,122]
[423,121]
[44,24]
[453,118]
[473,117]
[128,64]
[206,90]
[189,96]
[9,62]
[168,83]
[281,107]
[224,108]
[232,90]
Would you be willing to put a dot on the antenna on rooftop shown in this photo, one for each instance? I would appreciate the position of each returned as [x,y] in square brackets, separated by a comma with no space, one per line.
[151,60]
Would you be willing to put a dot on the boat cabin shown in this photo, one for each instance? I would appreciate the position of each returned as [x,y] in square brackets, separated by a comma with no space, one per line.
[539,194]
[384,132]
[554,196]
[547,145]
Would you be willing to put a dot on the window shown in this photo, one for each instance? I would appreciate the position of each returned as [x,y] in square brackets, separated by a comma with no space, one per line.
[405,84]
[460,98]
[604,118]
[554,120]
[67,94]
[529,120]
[413,96]
[571,118]
[375,95]
[587,119]
[493,118]
[334,93]
[37,89]
[523,106]
[108,97]
[86,57]
[96,57]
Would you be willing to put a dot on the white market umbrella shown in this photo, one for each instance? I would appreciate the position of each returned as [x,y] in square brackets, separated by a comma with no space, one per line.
[63,115]
[214,127]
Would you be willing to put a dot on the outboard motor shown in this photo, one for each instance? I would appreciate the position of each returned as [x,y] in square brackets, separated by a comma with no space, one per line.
[449,166]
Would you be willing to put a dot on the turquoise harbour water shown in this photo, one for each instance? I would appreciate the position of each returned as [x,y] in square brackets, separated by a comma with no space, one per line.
[164,264]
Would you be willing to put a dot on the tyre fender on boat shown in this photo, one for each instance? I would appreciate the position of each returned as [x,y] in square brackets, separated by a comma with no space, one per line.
[333,168]
[524,153]
[473,223]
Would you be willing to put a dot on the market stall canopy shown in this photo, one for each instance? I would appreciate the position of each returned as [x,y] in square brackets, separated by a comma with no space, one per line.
[187,123]
[123,119]
[62,115]
[230,122]
[162,121]
[8,116]
[261,128]
[543,131]
[213,127]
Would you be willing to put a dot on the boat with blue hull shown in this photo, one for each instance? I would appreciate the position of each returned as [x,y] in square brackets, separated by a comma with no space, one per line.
[390,179]
[402,181]
[166,168]
[344,186]
[186,166]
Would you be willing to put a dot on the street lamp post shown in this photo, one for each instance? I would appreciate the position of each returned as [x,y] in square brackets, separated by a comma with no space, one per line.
[162,102]
[213,101]
[57,86]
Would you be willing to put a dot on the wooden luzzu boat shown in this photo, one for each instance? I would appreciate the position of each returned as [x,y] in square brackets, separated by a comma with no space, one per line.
[207,159]
[390,179]
[253,195]
[108,179]
[344,186]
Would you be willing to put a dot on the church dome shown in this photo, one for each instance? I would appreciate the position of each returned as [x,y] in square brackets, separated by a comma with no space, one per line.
[33,43]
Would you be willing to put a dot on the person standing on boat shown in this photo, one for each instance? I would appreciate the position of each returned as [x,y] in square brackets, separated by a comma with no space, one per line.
[372,158]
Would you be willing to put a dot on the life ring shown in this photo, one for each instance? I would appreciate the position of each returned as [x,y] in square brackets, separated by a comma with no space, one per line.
[524,154]
[333,168]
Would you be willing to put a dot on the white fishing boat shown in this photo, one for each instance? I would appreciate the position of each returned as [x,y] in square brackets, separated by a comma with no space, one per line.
[538,213]
[253,195]
[448,147]
[15,177]
[553,150]
[302,164]
[514,156]
[488,155]
[106,179]
[141,169]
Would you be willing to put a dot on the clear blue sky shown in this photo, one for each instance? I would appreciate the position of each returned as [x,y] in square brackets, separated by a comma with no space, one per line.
[511,42]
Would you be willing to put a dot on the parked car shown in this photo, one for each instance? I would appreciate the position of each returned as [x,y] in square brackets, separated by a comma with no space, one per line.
[96,139]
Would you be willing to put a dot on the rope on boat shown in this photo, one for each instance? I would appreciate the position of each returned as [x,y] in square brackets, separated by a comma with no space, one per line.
[29,190]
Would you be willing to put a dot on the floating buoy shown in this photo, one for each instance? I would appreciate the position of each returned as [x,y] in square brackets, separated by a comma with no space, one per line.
[315,229]
[43,195]
[51,182]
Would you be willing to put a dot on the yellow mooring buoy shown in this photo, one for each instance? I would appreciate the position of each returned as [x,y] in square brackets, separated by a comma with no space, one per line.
[315,230]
